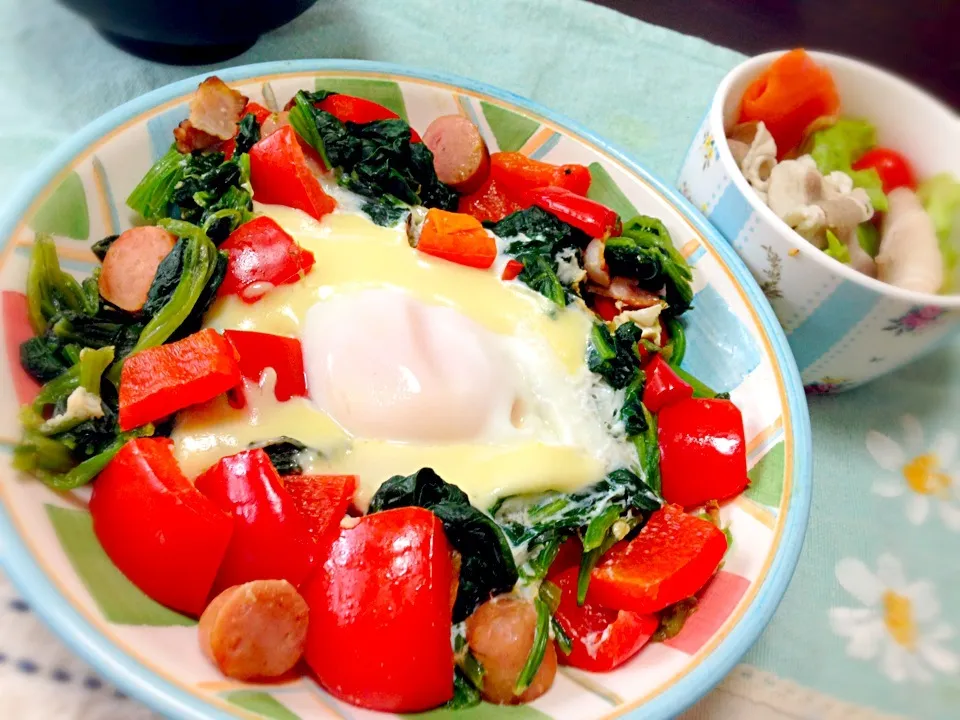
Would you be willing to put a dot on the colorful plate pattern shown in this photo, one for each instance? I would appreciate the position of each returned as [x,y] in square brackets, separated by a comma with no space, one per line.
[734,344]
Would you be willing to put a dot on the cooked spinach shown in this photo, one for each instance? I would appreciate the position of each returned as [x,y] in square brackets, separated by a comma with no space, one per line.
[614,356]
[546,234]
[42,358]
[200,187]
[465,695]
[374,159]
[532,521]
[248,134]
[540,274]
[538,649]
[284,453]
[487,565]
[50,290]
[385,212]
[633,413]
[645,252]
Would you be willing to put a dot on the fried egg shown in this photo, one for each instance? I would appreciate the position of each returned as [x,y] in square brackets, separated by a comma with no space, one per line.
[413,361]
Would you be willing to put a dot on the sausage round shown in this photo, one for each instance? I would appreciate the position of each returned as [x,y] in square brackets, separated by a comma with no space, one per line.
[460,156]
[255,630]
[131,263]
[500,634]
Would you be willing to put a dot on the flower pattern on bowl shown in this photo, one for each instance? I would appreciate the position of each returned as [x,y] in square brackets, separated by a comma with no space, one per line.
[919,317]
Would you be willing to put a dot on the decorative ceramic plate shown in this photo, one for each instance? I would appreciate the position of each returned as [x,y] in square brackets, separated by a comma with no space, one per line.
[734,344]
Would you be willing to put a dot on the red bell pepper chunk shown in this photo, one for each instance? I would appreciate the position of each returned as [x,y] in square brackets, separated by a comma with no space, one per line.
[672,557]
[568,556]
[380,614]
[262,255]
[702,451]
[158,381]
[605,307]
[163,534]
[17,330]
[458,238]
[259,351]
[271,541]
[601,639]
[511,270]
[280,175]
[596,220]
[664,387]
[489,202]
[347,108]
[516,174]
[322,501]
[257,110]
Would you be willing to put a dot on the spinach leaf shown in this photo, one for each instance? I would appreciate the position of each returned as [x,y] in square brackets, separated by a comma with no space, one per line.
[533,520]
[645,252]
[151,196]
[633,412]
[540,274]
[374,159]
[385,212]
[487,566]
[614,357]
[42,359]
[284,453]
[465,695]
[50,290]
[546,234]
[248,134]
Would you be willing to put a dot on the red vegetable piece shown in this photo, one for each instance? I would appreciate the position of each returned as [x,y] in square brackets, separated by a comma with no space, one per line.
[892,167]
[702,451]
[458,238]
[262,255]
[322,501]
[280,175]
[568,556]
[674,556]
[601,639]
[163,534]
[380,614]
[664,386]
[259,351]
[257,110]
[271,541]
[160,380]
[511,270]
[517,174]
[596,220]
[490,202]
[605,307]
[347,108]
[17,330]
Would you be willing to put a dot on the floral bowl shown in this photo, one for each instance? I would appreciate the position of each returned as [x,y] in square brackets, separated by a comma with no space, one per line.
[844,328]
[47,545]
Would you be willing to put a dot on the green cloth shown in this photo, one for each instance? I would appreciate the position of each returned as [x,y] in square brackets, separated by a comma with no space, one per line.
[646,89]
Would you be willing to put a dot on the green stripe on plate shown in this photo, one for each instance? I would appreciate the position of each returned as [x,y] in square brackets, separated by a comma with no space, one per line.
[510,129]
[260,702]
[119,600]
[605,191]
[65,212]
[383,92]
[483,711]
[766,478]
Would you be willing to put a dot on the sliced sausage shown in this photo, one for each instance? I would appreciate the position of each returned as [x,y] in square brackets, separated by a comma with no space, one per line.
[500,634]
[131,264]
[255,630]
[460,156]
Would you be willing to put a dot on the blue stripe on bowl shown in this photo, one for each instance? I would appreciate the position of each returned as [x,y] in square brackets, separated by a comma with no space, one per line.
[827,325]
[731,212]
[720,349]
[161,128]
[549,145]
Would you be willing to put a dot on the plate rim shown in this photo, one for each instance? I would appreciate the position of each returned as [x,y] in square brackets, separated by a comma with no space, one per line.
[165,697]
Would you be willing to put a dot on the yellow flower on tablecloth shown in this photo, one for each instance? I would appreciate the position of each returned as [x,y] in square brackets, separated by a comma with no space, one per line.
[898,624]
[925,475]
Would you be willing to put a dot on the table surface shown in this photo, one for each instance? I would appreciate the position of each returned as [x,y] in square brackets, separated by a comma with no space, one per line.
[916,38]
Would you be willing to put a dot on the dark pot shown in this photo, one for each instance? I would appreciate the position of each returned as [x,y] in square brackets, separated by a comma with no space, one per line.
[187,33]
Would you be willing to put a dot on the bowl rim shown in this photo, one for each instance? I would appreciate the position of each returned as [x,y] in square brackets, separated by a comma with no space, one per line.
[170,699]
[715,124]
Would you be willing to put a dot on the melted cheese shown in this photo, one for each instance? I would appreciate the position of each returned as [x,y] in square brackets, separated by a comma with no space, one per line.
[353,254]
[484,472]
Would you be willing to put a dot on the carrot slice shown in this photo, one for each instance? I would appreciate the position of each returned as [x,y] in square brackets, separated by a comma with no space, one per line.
[457,237]
[788,96]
